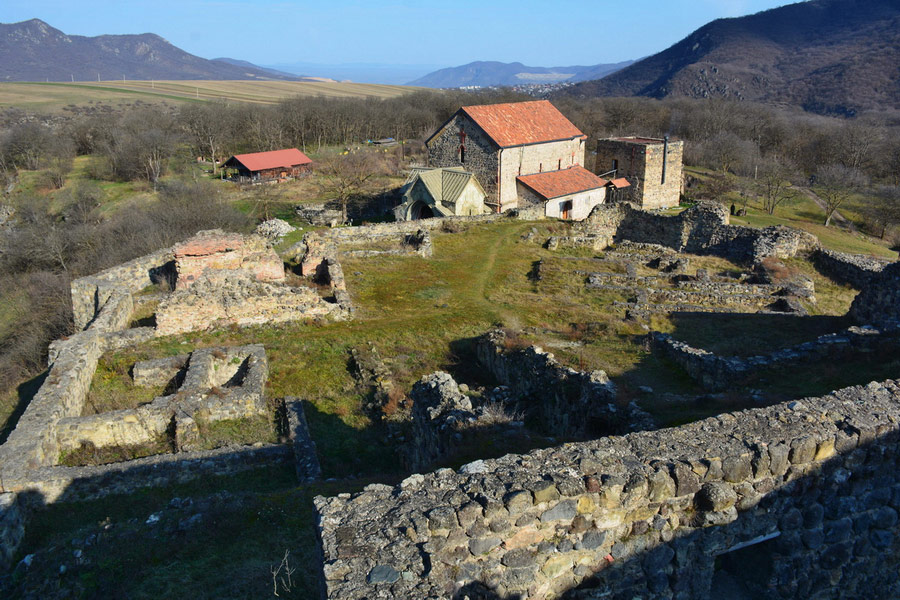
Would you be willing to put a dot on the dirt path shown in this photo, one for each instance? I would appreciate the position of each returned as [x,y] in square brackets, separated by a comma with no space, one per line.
[838,218]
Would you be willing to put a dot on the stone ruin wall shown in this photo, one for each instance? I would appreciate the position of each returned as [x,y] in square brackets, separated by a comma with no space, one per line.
[851,269]
[444,421]
[12,528]
[91,292]
[813,482]
[879,302]
[702,229]
[103,305]
[225,299]
[567,402]
[179,411]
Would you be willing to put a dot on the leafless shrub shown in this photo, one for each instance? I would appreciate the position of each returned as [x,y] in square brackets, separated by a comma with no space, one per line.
[498,413]
[282,575]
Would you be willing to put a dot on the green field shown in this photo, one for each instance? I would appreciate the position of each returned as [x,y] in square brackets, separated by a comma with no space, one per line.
[54,96]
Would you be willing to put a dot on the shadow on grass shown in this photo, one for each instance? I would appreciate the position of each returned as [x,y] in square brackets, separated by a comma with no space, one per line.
[25,392]
[729,334]
[348,452]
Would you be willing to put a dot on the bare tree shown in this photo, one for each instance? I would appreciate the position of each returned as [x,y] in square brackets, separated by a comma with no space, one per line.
[882,212]
[346,176]
[773,184]
[208,129]
[835,184]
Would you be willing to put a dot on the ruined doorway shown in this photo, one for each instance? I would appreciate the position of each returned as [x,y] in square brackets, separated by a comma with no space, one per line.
[420,210]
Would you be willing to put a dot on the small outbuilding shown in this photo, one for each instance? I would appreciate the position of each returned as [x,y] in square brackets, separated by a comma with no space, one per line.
[568,194]
[268,166]
[440,192]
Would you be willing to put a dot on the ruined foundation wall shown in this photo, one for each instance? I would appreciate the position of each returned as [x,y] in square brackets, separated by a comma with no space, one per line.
[70,484]
[852,269]
[90,293]
[12,528]
[815,483]
[717,373]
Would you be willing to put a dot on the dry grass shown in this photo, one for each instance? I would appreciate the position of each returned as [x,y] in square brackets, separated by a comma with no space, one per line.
[55,96]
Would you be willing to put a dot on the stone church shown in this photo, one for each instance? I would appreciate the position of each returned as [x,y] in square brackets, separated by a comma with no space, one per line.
[512,148]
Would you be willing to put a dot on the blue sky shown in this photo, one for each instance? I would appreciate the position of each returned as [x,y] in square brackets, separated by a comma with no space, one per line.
[423,32]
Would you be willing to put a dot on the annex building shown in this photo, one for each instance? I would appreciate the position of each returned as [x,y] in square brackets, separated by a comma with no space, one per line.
[440,192]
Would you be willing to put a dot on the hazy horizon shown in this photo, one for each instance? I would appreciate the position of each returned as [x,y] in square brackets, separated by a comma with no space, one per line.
[412,37]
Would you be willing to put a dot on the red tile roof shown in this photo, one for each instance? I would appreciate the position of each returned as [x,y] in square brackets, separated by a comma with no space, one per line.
[520,123]
[259,161]
[554,184]
[619,183]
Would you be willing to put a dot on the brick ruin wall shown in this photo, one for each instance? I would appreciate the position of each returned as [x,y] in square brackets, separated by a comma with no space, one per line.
[215,250]
[701,229]
[814,483]
[642,165]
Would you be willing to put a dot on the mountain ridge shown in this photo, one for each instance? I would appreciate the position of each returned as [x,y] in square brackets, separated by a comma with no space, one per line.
[35,51]
[827,56]
[488,73]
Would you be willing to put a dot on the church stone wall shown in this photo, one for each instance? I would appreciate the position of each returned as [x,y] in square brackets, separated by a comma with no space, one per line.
[481,156]
[535,158]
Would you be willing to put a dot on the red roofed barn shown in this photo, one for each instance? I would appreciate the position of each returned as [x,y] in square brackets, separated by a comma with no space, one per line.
[499,143]
[267,166]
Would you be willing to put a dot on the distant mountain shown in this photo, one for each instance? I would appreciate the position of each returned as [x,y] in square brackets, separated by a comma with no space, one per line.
[827,56]
[488,73]
[34,51]
[385,73]
[274,73]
